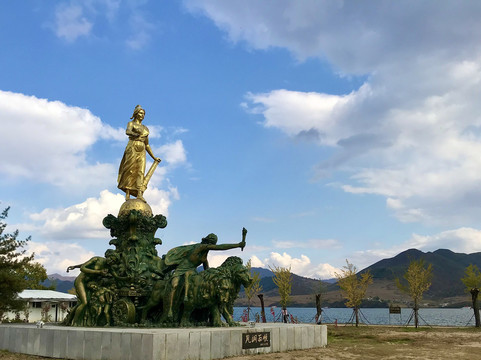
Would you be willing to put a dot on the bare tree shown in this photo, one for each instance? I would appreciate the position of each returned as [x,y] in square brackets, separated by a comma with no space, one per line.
[321,290]
[418,279]
[253,289]
[472,281]
[283,279]
[353,287]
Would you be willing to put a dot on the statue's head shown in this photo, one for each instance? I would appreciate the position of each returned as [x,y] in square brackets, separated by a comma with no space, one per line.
[138,110]
[210,239]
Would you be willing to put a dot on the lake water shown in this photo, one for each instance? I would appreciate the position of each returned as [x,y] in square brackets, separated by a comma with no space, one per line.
[440,317]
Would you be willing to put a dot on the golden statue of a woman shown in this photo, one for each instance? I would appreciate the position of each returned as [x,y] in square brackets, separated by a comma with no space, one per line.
[132,179]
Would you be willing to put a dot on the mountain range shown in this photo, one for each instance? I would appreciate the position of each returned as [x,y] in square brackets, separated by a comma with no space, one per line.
[446,289]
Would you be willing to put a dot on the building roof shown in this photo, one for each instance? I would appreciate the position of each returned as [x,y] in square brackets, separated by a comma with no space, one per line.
[46,295]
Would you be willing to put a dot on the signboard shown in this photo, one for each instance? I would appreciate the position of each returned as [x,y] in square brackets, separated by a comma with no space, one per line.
[255,340]
[394,310]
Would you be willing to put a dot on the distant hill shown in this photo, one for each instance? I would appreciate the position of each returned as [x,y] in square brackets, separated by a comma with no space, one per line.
[448,269]
[61,277]
[262,272]
[62,283]
[446,288]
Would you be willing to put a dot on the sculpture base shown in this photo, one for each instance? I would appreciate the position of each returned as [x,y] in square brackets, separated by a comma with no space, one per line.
[135,204]
[178,343]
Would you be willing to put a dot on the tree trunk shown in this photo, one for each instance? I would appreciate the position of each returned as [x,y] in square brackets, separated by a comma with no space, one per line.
[284,314]
[263,311]
[356,312]
[474,295]
[416,319]
[319,309]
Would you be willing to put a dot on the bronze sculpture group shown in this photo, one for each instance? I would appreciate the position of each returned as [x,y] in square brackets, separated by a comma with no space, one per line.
[133,286]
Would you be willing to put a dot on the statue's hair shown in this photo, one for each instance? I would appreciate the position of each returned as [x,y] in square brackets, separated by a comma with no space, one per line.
[231,261]
[222,272]
[136,111]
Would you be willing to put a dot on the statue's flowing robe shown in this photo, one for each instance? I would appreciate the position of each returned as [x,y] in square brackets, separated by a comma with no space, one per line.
[132,166]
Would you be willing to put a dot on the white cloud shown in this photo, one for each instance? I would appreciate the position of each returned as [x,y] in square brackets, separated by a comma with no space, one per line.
[78,221]
[70,22]
[84,220]
[256,262]
[141,31]
[173,153]
[160,200]
[56,256]
[77,19]
[297,113]
[302,266]
[412,132]
[356,37]
[465,240]
[47,142]
[216,260]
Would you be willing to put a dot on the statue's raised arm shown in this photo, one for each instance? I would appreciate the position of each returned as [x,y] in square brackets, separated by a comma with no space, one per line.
[242,244]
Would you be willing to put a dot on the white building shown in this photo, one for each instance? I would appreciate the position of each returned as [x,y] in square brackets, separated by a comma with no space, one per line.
[53,304]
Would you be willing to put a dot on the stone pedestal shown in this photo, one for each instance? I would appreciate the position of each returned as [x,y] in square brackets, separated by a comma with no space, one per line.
[158,344]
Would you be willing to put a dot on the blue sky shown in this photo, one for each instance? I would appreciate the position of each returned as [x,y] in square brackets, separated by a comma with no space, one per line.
[330,130]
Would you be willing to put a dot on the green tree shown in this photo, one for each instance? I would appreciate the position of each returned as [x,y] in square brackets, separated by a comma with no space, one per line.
[254,287]
[418,278]
[353,287]
[283,280]
[35,274]
[472,281]
[17,271]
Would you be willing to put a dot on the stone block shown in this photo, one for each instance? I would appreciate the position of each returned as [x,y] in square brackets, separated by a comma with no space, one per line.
[291,338]
[310,336]
[275,339]
[205,345]
[60,344]
[116,345]
[135,345]
[75,344]
[194,345]
[235,343]
[24,340]
[147,347]
[93,345]
[30,340]
[317,336]
[125,339]
[323,335]
[42,349]
[298,337]
[158,344]
[159,350]
[283,339]
[18,339]
[183,345]
[216,345]
[171,348]
[305,337]
[106,345]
